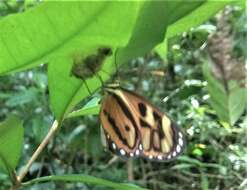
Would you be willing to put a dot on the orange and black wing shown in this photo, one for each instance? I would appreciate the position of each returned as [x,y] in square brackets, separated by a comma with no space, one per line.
[120,126]
[136,128]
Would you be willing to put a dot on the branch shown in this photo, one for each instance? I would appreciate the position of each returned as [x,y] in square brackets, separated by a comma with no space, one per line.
[40,148]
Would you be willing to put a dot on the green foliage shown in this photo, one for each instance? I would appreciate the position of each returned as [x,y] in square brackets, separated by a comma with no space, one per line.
[228,105]
[216,153]
[91,108]
[144,30]
[86,179]
[11,143]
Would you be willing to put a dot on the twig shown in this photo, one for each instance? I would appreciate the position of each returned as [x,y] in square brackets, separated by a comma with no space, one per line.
[130,169]
[40,148]
[218,176]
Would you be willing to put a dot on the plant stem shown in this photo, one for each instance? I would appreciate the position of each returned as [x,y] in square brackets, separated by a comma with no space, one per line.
[130,170]
[40,148]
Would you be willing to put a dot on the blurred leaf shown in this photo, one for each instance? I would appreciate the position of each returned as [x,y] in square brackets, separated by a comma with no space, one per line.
[94,146]
[91,108]
[196,17]
[11,143]
[204,181]
[39,129]
[76,133]
[190,160]
[182,166]
[86,179]
[197,152]
[199,15]
[22,97]
[187,91]
[228,106]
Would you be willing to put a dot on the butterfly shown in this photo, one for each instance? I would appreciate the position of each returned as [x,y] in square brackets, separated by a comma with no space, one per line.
[133,127]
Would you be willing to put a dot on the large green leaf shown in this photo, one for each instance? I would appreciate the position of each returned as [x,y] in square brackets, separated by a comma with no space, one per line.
[43,35]
[230,105]
[86,179]
[40,33]
[148,29]
[196,17]
[11,142]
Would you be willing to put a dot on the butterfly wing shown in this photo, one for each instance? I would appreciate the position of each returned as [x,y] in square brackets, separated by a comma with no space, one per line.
[120,127]
[156,137]
[160,137]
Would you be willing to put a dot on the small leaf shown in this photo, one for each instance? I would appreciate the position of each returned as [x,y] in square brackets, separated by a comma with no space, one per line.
[190,160]
[182,166]
[197,152]
[230,105]
[237,103]
[91,108]
[11,142]
[86,179]
[22,97]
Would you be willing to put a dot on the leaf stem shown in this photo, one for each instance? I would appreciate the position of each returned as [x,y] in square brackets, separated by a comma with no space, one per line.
[40,148]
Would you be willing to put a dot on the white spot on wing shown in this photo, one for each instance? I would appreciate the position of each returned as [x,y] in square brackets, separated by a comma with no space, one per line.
[140,146]
[114,146]
[180,141]
[169,156]
[131,154]
[137,152]
[159,157]
[178,149]
[122,152]
[174,154]
[180,134]
[150,156]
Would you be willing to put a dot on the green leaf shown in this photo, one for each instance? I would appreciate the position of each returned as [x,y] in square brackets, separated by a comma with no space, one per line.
[195,17]
[197,152]
[230,105]
[151,25]
[113,29]
[204,181]
[22,97]
[190,160]
[237,103]
[11,142]
[161,49]
[146,28]
[182,166]
[86,179]
[91,108]
[41,33]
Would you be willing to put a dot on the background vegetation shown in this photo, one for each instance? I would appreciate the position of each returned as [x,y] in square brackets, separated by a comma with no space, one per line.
[196,76]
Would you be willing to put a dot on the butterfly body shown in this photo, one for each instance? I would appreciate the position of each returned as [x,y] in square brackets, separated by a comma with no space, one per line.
[135,128]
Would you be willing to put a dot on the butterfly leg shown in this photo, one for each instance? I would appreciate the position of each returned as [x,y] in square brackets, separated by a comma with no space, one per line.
[86,85]
[100,78]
